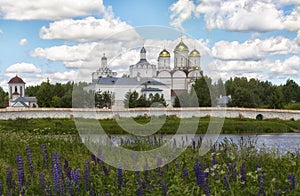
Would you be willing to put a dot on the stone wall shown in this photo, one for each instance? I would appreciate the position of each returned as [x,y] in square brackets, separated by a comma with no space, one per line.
[13,113]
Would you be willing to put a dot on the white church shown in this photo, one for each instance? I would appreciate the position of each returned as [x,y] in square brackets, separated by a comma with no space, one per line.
[148,79]
[16,94]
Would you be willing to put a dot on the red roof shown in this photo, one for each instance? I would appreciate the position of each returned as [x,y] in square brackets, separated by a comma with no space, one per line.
[16,93]
[16,79]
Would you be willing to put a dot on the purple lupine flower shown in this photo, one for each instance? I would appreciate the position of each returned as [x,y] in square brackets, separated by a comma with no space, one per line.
[200,174]
[164,188]
[140,190]
[75,175]
[42,181]
[21,175]
[29,161]
[67,169]
[86,176]
[292,181]
[69,185]
[243,173]
[185,173]
[57,174]
[226,183]
[232,170]
[94,158]
[1,188]
[45,155]
[138,177]
[92,192]
[104,169]
[120,177]
[9,179]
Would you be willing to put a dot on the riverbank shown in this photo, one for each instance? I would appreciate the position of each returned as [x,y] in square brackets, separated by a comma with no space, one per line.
[170,126]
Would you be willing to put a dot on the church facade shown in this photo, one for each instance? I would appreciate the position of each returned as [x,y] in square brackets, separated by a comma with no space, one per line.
[16,94]
[148,79]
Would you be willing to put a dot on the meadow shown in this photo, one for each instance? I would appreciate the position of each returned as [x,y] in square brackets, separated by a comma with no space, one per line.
[41,162]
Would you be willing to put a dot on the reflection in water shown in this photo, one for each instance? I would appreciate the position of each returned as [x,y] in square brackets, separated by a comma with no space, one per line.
[279,142]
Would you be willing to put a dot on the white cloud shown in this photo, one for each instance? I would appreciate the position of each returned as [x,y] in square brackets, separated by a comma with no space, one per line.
[23,42]
[289,66]
[89,29]
[23,68]
[239,15]
[48,10]
[181,11]
[255,49]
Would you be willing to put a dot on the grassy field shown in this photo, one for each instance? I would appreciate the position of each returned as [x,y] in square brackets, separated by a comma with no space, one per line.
[35,164]
[230,126]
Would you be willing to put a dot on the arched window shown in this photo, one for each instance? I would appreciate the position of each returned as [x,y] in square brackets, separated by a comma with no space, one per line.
[21,91]
[16,90]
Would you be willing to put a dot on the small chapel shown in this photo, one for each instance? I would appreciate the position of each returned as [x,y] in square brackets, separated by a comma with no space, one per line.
[16,93]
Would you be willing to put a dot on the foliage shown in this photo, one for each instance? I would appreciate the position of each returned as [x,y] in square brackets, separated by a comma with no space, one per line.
[31,164]
[134,100]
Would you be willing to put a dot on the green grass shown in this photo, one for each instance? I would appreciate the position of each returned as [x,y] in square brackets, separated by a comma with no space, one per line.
[170,126]
[263,169]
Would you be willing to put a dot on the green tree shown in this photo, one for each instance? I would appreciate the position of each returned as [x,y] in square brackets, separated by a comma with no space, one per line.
[202,88]
[44,95]
[3,94]
[276,99]
[131,99]
[55,102]
[104,99]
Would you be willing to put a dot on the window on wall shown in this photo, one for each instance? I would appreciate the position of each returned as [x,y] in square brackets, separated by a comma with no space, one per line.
[21,91]
[16,90]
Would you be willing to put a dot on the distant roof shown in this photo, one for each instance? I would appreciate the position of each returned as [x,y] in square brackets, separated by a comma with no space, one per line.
[150,89]
[152,82]
[127,81]
[25,99]
[119,81]
[16,80]
[176,92]
[20,104]
[16,93]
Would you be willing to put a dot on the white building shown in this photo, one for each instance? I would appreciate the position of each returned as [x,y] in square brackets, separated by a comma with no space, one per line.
[16,93]
[148,79]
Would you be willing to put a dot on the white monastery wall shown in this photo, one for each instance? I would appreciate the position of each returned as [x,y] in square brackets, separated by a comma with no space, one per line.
[13,113]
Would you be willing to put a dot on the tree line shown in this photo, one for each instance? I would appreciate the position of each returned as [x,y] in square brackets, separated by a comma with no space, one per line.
[243,92]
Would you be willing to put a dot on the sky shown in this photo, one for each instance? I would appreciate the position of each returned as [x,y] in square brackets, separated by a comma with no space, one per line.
[65,40]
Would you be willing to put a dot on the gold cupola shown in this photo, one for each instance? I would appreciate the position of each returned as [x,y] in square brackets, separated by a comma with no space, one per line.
[164,53]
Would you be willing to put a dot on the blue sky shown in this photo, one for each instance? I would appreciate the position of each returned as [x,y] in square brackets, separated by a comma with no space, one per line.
[56,40]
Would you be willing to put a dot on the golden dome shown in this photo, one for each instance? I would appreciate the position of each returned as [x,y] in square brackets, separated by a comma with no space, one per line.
[195,53]
[164,53]
[181,47]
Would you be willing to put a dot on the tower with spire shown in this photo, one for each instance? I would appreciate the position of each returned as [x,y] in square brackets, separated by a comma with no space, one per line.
[103,70]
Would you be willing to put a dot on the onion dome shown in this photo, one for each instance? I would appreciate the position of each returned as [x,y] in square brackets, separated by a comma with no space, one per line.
[16,80]
[181,47]
[164,53]
[195,53]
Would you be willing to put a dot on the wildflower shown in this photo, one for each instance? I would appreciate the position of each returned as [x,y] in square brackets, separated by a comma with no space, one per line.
[57,174]
[120,179]
[140,191]
[0,188]
[75,175]
[42,181]
[9,179]
[29,161]
[232,170]
[67,169]
[86,176]
[45,155]
[292,181]
[243,173]
[185,173]
[164,188]
[226,183]
[21,176]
